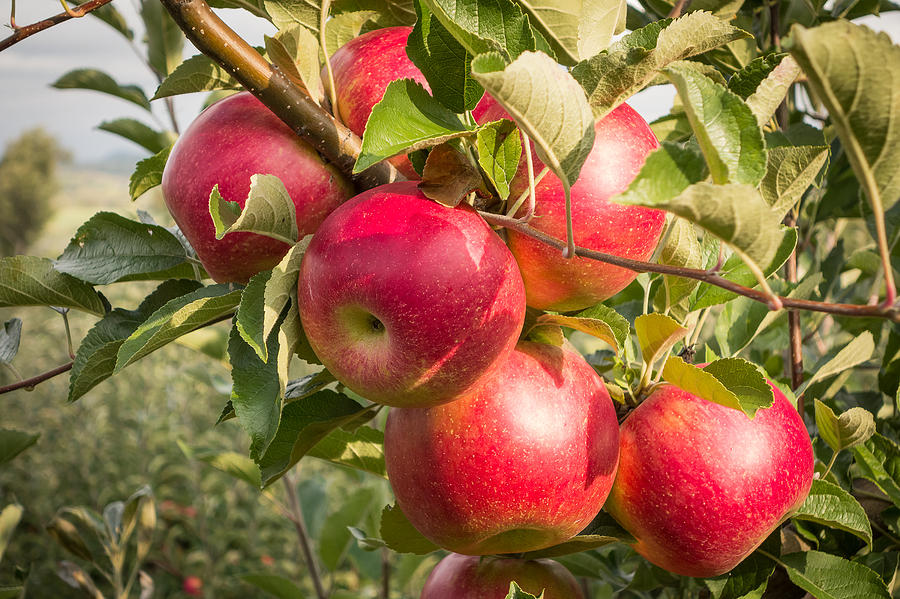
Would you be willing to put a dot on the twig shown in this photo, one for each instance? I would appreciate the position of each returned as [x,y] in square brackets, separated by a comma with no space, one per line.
[385,573]
[35,380]
[796,335]
[290,103]
[881,311]
[20,33]
[302,535]
[679,8]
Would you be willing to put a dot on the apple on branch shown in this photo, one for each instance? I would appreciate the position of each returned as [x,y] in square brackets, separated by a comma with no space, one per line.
[522,463]
[552,282]
[363,68]
[408,302]
[231,141]
[472,577]
[701,485]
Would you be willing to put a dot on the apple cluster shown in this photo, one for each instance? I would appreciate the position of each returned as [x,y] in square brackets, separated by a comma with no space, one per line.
[493,445]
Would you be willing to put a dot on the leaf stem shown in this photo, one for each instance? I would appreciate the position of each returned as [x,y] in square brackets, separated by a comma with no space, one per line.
[332,91]
[529,163]
[830,463]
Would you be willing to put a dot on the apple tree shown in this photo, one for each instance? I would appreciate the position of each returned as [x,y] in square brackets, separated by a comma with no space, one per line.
[621,358]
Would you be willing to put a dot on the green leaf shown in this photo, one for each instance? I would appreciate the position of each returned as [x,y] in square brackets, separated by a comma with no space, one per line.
[853,427]
[854,353]
[109,248]
[576,30]
[830,505]
[148,173]
[736,214]
[731,382]
[362,449]
[547,104]
[95,360]
[296,52]
[401,536]
[592,326]
[746,81]
[390,12]
[747,581]
[772,90]
[879,461]
[196,74]
[725,127]
[632,63]
[790,170]
[406,119]
[855,73]
[274,585]
[256,392]
[335,538]
[9,519]
[255,7]
[343,27]
[515,592]
[499,150]
[828,576]
[10,335]
[657,334]
[498,26]
[178,317]
[303,424]
[232,463]
[268,210]
[99,81]
[165,41]
[444,61]
[12,443]
[665,174]
[136,131]
[618,323]
[287,13]
[32,281]
[682,249]
[250,314]
[573,545]
[735,270]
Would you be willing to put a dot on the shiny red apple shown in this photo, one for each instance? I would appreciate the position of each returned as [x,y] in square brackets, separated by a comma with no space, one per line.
[408,302]
[700,485]
[522,463]
[232,140]
[471,577]
[552,282]
[363,68]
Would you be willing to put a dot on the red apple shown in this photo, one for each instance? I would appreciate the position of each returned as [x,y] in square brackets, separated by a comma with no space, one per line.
[700,486]
[552,282]
[408,302]
[193,586]
[363,68]
[233,139]
[471,577]
[522,463]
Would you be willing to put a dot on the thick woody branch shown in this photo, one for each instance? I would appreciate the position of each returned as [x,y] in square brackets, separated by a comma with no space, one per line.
[711,277]
[288,101]
[20,33]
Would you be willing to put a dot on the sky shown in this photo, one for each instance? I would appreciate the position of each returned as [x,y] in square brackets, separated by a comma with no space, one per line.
[28,68]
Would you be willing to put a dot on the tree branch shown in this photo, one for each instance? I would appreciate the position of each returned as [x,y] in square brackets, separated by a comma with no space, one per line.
[302,535]
[288,101]
[44,376]
[890,312]
[21,33]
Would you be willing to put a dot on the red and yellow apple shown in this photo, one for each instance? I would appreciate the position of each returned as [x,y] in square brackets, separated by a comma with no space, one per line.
[363,68]
[523,462]
[408,302]
[623,141]
[232,140]
[700,485]
[471,577]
